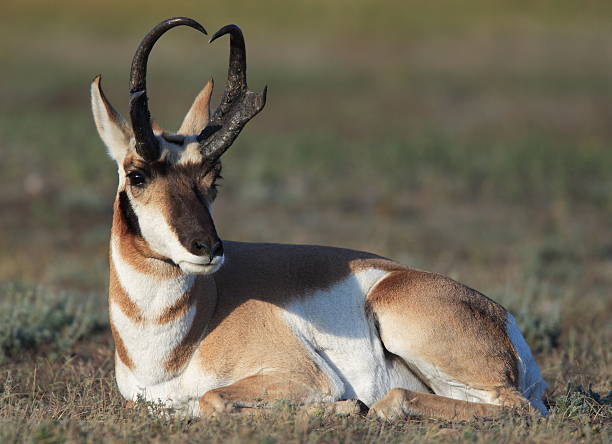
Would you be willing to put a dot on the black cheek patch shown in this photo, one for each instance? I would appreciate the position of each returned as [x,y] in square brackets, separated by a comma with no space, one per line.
[127,212]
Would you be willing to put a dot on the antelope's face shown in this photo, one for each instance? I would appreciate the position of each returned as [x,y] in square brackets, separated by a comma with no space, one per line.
[167,181]
[168,204]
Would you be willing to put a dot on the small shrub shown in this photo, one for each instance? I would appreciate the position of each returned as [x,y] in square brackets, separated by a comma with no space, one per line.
[33,317]
[580,401]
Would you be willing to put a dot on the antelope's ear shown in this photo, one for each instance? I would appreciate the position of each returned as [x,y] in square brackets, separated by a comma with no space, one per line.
[197,117]
[112,127]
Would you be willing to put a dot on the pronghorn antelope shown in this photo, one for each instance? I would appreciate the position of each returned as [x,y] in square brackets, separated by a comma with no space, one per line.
[210,326]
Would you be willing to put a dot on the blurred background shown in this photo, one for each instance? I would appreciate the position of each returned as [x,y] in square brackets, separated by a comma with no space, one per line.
[474,140]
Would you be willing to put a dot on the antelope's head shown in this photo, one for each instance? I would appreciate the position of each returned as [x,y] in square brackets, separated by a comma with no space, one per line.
[167,180]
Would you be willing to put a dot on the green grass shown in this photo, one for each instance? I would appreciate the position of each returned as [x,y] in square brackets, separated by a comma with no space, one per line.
[471,140]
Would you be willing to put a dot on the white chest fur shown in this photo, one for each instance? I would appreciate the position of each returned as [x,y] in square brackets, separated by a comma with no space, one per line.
[147,341]
[152,295]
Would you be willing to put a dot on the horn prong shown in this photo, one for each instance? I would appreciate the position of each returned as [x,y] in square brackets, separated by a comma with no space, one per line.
[157,129]
[238,104]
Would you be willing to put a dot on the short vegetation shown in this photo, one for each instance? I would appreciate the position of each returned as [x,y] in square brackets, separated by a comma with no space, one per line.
[35,318]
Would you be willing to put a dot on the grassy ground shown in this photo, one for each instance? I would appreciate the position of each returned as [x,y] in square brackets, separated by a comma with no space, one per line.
[472,141]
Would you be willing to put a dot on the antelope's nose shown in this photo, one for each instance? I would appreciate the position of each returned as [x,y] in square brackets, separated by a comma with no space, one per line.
[211,249]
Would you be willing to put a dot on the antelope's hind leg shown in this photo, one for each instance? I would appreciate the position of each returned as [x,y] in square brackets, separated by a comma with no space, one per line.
[401,403]
[457,341]
[256,394]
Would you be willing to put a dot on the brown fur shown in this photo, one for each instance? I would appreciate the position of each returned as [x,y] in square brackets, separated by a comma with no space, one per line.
[253,286]
[278,272]
[179,308]
[254,391]
[122,352]
[272,275]
[261,341]
[203,294]
[117,295]
[453,327]
[401,403]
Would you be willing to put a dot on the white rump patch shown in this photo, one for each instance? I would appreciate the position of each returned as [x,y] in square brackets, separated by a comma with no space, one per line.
[531,384]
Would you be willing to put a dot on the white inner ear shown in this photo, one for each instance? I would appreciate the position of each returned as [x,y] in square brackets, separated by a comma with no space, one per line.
[113,129]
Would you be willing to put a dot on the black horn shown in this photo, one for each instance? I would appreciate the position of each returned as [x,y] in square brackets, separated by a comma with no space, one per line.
[147,144]
[238,104]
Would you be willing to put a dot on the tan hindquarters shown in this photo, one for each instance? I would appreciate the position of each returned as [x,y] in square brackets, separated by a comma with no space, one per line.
[452,337]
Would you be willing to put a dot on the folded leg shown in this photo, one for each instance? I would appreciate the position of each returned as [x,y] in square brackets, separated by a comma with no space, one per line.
[401,403]
[255,394]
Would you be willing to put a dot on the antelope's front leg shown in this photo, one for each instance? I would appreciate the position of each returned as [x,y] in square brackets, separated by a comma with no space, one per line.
[256,393]
[253,392]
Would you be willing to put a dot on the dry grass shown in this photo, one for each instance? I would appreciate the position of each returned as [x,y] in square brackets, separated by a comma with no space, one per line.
[75,399]
[472,141]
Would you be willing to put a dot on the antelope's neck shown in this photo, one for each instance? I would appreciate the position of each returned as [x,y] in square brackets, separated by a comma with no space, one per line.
[143,293]
[157,313]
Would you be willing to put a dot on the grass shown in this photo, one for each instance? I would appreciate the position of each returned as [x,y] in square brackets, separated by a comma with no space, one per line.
[32,318]
[471,140]
[579,414]
[77,400]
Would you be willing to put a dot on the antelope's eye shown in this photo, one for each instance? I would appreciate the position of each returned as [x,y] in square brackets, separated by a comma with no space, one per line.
[136,179]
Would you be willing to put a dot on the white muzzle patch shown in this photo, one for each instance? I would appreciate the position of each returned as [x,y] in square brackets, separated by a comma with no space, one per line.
[203,267]
[163,240]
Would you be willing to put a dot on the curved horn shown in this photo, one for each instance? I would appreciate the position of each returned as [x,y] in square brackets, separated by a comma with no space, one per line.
[236,73]
[147,145]
[238,104]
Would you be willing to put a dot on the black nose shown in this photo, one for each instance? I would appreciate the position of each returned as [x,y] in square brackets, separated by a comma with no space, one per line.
[210,249]
[217,249]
